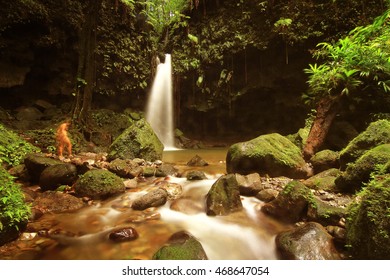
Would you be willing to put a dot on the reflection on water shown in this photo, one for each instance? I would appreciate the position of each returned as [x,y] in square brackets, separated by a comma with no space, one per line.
[247,234]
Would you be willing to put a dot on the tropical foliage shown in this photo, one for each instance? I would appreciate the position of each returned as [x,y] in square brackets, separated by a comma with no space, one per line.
[358,62]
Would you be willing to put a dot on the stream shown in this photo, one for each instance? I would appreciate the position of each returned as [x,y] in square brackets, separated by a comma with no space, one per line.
[83,234]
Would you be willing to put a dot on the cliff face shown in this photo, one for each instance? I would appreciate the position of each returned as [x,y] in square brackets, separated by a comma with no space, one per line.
[238,65]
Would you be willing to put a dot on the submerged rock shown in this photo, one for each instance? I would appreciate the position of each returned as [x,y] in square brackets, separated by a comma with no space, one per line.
[99,184]
[308,242]
[271,154]
[123,235]
[223,196]
[181,246]
[138,141]
[57,202]
[197,161]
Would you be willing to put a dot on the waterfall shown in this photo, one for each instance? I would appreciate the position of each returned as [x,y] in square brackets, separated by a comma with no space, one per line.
[159,110]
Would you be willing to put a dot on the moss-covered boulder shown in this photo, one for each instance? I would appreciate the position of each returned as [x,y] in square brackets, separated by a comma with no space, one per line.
[14,212]
[307,242]
[324,180]
[99,184]
[224,196]
[137,141]
[271,154]
[181,246]
[359,172]
[368,222]
[291,204]
[377,133]
[324,160]
[324,213]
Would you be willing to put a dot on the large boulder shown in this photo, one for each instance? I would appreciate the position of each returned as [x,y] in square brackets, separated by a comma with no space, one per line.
[291,204]
[324,160]
[307,242]
[56,175]
[359,172]
[99,184]
[224,196]
[137,141]
[181,246]
[271,154]
[368,222]
[377,133]
[36,163]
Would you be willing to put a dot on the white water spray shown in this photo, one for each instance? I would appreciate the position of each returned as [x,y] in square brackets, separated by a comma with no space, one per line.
[159,111]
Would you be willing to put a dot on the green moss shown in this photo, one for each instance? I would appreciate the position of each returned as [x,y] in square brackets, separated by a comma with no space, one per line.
[13,149]
[14,212]
[368,221]
[99,183]
[377,133]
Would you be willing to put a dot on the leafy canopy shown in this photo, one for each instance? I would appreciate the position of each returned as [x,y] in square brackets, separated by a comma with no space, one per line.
[359,61]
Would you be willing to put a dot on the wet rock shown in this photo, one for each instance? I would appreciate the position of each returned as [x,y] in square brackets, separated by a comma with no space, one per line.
[36,163]
[325,160]
[290,204]
[57,202]
[155,198]
[197,161]
[271,154]
[181,246]
[339,233]
[123,235]
[174,190]
[267,195]
[56,175]
[223,196]
[20,171]
[131,183]
[250,184]
[138,141]
[167,170]
[195,175]
[99,184]
[125,168]
[308,242]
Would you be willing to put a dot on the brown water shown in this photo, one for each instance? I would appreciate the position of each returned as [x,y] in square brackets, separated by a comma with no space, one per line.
[247,234]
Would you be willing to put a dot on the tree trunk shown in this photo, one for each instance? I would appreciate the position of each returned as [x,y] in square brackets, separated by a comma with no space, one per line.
[86,66]
[327,109]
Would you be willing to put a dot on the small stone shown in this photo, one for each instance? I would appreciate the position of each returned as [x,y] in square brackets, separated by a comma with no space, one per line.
[122,235]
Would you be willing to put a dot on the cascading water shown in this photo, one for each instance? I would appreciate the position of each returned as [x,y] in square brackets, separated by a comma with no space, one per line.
[159,110]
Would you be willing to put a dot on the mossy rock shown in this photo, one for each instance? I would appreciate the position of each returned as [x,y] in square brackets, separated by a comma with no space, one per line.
[99,184]
[377,133]
[181,246]
[138,141]
[36,163]
[299,138]
[324,213]
[224,196]
[359,172]
[368,222]
[271,154]
[324,180]
[291,203]
[324,160]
